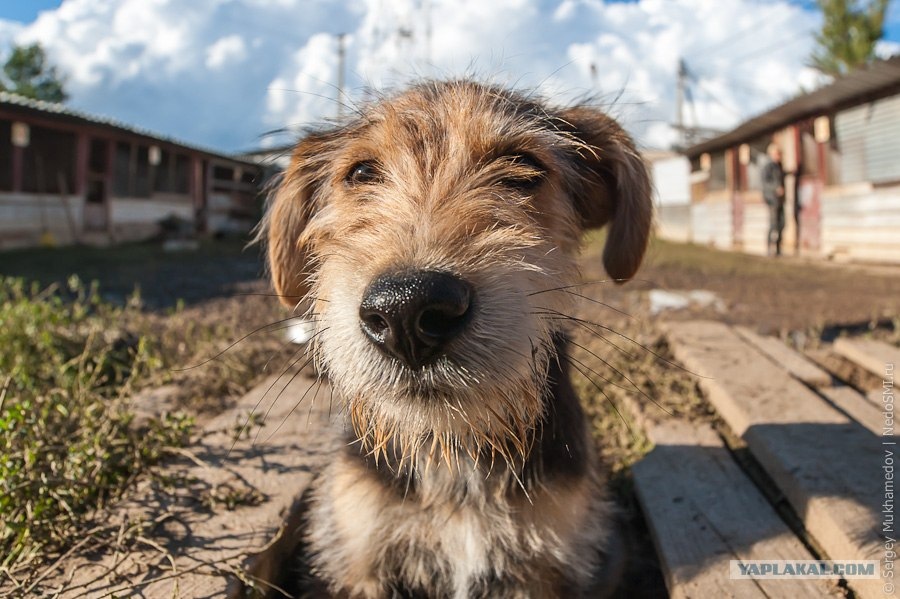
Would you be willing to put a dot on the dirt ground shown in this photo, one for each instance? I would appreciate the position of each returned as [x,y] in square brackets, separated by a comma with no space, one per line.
[772,295]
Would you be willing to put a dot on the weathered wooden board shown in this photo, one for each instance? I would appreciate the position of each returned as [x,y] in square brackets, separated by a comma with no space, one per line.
[703,511]
[195,548]
[874,356]
[877,397]
[856,406]
[843,369]
[781,354]
[827,466]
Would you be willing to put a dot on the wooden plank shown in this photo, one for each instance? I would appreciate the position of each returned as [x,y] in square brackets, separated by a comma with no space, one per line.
[874,356]
[856,406]
[827,466]
[703,512]
[877,397]
[843,369]
[195,549]
[781,354]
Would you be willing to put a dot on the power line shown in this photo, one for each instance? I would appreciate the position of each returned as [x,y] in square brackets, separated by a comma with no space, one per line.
[772,48]
[752,28]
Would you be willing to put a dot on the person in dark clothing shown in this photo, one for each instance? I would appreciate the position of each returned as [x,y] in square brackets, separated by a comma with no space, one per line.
[773,193]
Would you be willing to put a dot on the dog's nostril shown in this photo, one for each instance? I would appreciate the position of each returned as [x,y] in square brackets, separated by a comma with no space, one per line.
[376,324]
[441,323]
[414,315]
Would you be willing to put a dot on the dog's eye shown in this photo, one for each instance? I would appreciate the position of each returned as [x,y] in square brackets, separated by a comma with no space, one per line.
[527,172]
[363,172]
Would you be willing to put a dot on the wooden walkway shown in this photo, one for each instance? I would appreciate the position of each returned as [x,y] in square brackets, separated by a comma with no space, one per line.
[821,447]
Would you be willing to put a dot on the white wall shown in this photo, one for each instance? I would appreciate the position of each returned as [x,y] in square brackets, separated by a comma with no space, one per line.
[862,223]
[126,211]
[711,224]
[671,180]
[24,218]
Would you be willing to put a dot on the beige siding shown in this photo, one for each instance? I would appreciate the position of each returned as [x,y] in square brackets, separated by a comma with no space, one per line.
[862,223]
[756,228]
[673,222]
[711,224]
[24,218]
[136,219]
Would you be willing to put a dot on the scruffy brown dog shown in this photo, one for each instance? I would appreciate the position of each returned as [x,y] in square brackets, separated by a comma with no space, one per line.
[433,238]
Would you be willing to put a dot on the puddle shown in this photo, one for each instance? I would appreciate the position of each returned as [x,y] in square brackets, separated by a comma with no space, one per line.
[662,300]
[300,330]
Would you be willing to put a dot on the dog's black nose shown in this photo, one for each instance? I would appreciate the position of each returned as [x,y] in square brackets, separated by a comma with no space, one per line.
[413,315]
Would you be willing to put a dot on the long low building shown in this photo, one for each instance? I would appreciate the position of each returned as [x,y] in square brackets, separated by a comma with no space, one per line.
[67,177]
[841,150]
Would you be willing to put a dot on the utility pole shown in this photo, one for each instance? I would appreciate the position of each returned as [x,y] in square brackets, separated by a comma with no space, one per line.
[680,85]
[340,74]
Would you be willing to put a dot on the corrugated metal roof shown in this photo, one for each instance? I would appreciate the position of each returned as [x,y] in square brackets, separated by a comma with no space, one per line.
[881,78]
[61,110]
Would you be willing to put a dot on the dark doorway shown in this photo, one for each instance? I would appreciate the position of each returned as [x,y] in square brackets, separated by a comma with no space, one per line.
[96,208]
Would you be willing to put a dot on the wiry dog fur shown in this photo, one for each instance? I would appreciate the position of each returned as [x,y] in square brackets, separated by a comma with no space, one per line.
[472,476]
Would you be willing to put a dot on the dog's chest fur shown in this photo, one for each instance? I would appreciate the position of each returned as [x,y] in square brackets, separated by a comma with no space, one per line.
[537,531]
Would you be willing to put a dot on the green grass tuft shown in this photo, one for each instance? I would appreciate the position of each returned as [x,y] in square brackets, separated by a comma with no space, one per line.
[68,443]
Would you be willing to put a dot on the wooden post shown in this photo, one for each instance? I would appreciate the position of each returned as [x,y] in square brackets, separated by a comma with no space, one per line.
[732,183]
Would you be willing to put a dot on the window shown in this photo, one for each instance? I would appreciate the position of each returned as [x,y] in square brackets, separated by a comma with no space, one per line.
[223,178]
[141,186]
[758,160]
[717,173]
[223,173]
[122,170]
[97,156]
[163,173]
[48,163]
[182,174]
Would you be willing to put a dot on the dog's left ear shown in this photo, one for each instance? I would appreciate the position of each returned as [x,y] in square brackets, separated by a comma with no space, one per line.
[613,187]
[285,224]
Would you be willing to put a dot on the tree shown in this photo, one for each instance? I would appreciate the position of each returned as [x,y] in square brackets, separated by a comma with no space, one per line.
[28,74]
[849,33]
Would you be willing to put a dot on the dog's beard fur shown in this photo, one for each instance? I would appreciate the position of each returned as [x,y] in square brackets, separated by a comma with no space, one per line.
[480,402]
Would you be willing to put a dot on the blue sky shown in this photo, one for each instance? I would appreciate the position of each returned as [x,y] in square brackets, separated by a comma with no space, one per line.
[25,11]
[224,72]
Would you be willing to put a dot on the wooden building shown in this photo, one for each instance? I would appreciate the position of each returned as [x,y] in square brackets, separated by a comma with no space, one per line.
[841,148]
[66,177]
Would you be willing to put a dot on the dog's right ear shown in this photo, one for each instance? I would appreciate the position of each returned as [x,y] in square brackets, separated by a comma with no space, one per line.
[284,225]
[615,188]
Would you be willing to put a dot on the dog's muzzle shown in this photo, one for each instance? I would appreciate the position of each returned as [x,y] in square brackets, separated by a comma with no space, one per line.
[412,316]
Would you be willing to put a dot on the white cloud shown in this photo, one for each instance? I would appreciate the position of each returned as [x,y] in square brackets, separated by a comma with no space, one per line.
[222,72]
[8,32]
[306,86]
[887,49]
[229,49]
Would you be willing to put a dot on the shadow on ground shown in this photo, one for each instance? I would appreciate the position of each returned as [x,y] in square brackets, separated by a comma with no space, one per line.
[217,268]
